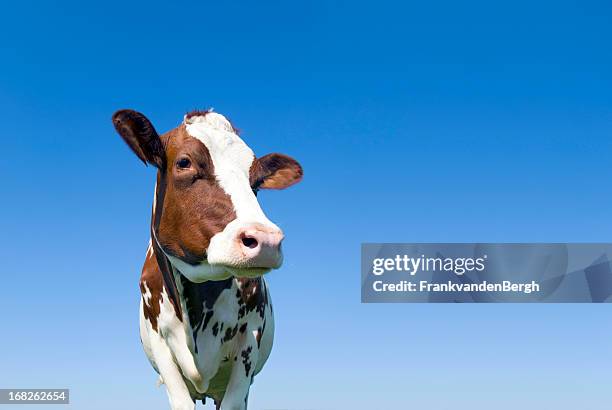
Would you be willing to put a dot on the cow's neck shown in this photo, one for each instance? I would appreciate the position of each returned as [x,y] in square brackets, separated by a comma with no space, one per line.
[193,302]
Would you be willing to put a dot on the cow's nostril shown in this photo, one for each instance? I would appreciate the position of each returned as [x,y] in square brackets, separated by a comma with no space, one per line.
[249,242]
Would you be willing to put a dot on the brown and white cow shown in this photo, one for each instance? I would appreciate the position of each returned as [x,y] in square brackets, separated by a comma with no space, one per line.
[206,320]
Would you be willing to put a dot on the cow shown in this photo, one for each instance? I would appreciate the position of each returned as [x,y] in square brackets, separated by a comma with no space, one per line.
[206,318]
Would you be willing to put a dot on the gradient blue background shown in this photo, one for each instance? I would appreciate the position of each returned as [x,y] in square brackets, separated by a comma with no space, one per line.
[428,121]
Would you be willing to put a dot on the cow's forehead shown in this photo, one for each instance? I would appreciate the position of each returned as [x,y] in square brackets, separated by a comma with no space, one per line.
[220,138]
[232,160]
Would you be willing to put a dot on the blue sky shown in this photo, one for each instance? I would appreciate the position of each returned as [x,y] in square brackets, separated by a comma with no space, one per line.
[414,122]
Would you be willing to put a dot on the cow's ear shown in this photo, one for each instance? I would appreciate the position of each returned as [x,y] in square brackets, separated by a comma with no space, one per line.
[275,171]
[139,134]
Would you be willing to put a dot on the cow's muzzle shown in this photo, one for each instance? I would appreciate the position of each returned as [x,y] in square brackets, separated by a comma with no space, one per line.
[260,246]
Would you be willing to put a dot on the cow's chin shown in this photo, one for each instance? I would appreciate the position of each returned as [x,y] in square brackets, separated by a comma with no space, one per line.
[205,271]
[247,272]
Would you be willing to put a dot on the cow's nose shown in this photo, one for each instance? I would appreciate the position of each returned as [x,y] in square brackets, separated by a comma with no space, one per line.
[261,245]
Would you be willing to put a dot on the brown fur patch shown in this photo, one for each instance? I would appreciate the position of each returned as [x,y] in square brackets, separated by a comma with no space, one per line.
[155,281]
[151,277]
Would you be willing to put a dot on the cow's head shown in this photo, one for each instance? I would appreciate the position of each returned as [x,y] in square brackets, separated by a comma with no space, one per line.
[206,218]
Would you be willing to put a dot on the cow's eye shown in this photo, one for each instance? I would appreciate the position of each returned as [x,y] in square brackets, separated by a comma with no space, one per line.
[183,163]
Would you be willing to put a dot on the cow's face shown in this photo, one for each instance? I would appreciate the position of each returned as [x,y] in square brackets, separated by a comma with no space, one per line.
[206,217]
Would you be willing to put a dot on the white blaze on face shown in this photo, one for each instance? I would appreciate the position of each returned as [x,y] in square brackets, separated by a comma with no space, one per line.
[232,160]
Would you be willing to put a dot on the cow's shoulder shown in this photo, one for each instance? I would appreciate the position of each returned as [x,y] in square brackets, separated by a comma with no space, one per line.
[151,287]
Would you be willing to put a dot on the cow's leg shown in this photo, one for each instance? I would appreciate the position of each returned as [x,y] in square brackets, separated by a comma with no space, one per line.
[245,360]
[178,394]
